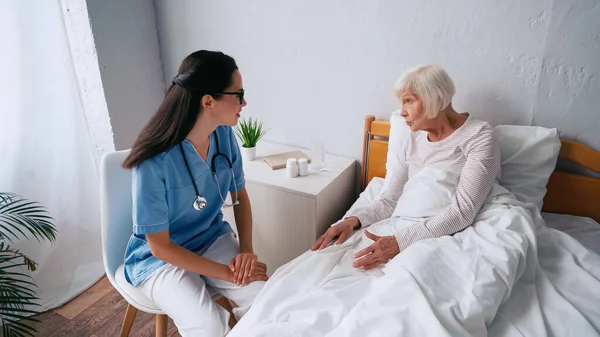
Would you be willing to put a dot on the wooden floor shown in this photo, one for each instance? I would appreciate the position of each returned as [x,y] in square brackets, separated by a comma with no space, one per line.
[97,312]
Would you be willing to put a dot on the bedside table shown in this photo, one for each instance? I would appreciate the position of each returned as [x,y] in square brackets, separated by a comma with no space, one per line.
[289,214]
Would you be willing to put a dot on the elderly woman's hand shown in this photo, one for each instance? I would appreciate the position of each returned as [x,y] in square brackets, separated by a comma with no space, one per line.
[340,232]
[381,251]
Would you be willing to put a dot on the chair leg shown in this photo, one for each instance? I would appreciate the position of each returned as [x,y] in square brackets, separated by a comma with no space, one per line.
[161,325]
[128,321]
[224,302]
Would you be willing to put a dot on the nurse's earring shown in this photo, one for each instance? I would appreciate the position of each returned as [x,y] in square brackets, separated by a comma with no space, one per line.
[199,203]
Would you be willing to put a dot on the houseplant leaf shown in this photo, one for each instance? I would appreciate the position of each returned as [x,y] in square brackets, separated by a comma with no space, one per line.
[20,219]
[21,216]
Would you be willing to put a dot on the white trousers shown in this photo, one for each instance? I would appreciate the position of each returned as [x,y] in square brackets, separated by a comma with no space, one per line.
[185,297]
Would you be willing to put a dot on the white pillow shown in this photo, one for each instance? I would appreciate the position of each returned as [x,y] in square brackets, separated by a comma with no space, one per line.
[528,157]
[399,132]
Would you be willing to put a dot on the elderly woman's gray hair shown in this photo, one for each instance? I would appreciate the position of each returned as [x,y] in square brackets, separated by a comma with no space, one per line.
[431,84]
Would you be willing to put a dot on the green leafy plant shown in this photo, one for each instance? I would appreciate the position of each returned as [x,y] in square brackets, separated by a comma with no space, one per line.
[250,131]
[20,218]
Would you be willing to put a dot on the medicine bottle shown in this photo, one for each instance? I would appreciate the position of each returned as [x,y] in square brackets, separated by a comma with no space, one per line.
[292,168]
[302,167]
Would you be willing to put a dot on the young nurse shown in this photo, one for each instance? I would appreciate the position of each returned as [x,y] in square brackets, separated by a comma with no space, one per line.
[184,162]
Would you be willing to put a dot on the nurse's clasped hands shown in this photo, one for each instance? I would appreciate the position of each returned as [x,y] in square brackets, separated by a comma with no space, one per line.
[246,268]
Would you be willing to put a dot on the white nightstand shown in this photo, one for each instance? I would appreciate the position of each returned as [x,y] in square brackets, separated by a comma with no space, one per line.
[289,214]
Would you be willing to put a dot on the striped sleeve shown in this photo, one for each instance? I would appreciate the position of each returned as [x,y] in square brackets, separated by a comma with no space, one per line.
[477,178]
[384,207]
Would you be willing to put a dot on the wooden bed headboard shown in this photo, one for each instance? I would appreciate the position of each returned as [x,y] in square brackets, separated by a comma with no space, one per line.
[567,193]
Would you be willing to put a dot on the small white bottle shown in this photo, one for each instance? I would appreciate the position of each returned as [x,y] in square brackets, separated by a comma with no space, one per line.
[291,168]
[302,167]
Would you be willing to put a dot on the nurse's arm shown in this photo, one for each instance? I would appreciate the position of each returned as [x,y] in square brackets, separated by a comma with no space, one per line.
[243,220]
[164,249]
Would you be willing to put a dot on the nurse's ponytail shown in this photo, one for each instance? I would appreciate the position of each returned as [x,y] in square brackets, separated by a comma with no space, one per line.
[201,73]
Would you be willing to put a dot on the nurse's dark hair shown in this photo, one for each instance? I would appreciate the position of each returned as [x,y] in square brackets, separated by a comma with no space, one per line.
[200,73]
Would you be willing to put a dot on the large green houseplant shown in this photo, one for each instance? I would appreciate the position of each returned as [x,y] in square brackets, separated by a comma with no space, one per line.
[249,132]
[20,219]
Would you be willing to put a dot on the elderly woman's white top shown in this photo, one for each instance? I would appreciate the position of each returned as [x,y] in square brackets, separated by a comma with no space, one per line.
[470,151]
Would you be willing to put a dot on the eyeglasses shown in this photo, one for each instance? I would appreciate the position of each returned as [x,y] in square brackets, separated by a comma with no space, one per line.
[239,94]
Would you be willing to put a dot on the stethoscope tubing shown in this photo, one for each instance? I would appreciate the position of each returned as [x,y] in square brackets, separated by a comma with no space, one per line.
[201,202]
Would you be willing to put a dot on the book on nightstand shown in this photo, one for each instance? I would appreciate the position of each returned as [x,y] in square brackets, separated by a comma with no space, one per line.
[279,160]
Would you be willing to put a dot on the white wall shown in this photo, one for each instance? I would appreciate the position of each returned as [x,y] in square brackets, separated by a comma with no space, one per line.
[308,63]
[129,58]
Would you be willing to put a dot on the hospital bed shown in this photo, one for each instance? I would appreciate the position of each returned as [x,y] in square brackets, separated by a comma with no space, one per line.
[561,302]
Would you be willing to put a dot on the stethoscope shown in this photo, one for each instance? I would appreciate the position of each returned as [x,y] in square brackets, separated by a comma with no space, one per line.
[200,202]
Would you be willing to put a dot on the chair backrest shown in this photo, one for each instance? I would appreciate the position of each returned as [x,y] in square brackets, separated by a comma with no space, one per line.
[116,220]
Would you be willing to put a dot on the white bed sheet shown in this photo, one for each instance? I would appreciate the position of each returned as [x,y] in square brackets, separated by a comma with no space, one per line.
[544,303]
[585,230]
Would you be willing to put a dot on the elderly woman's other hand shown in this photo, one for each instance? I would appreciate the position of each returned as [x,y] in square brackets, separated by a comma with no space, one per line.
[381,251]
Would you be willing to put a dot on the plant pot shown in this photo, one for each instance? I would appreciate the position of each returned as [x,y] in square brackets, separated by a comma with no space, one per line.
[249,153]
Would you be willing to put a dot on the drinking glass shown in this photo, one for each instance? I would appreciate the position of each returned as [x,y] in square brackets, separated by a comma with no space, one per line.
[317,154]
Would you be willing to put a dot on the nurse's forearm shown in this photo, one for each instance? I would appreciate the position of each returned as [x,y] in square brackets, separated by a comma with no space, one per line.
[243,221]
[178,256]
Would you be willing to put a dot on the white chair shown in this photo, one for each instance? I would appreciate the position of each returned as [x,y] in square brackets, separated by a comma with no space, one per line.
[117,227]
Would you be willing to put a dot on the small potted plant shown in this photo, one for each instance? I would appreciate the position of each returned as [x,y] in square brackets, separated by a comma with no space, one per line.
[249,132]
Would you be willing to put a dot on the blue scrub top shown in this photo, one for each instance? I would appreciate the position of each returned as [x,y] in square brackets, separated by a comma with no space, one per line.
[163,197]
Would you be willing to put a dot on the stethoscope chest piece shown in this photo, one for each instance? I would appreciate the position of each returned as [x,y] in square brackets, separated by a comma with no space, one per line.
[200,203]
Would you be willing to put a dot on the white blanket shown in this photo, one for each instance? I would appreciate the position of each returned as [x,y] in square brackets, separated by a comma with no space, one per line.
[560,298]
[485,277]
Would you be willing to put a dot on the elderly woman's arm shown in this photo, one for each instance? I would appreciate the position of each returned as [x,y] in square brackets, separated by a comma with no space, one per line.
[476,181]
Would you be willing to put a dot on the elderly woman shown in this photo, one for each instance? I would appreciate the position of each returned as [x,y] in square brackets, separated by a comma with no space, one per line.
[442,138]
